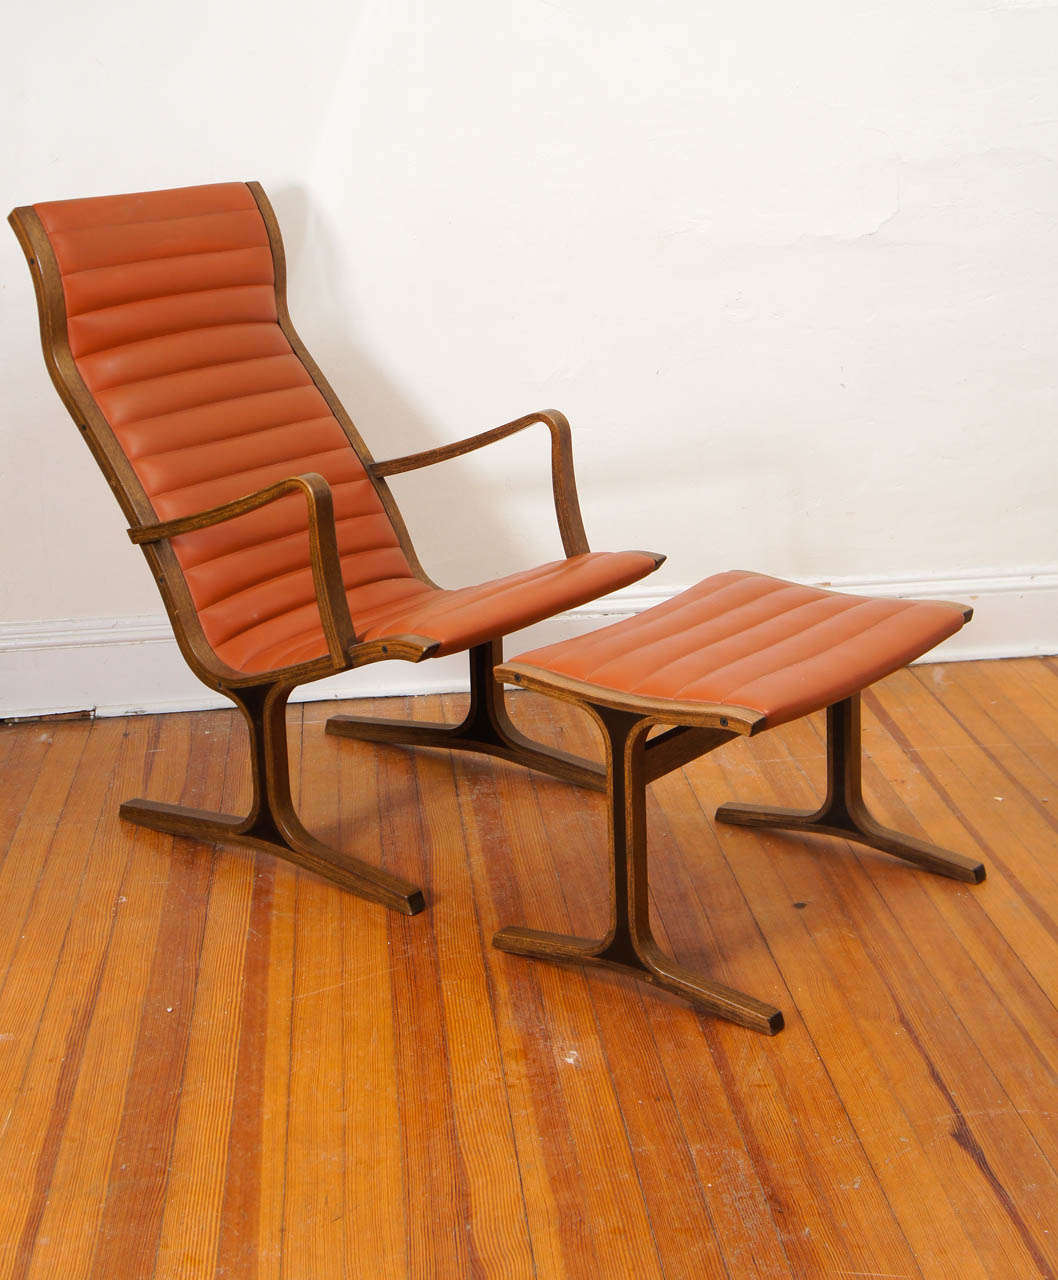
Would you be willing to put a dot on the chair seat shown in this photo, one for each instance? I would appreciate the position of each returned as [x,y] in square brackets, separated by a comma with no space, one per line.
[745,642]
[457,619]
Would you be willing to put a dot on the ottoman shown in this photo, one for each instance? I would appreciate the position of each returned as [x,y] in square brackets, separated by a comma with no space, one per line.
[736,655]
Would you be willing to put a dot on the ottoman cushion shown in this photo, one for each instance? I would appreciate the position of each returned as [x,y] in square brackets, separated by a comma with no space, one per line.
[750,641]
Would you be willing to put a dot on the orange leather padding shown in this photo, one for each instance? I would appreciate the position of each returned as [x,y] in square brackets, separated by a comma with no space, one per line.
[130,244]
[457,619]
[106,287]
[143,206]
[180,353]
[746,640]
[116,326]
[172,321]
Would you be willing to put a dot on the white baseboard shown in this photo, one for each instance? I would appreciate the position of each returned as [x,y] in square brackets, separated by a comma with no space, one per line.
[127,666]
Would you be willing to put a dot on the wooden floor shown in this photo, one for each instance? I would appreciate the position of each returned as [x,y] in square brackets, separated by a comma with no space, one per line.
[213,1065]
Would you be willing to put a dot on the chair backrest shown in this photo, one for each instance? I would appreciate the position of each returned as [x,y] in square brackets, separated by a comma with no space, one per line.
[165,329]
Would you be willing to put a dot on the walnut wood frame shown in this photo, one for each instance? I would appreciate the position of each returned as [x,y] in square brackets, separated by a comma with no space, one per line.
[272,823]
[631,762]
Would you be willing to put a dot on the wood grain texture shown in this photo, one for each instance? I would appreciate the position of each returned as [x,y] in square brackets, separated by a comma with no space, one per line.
[214,1064]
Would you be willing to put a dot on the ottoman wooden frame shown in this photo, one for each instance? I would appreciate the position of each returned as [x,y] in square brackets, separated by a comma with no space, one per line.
[822,660]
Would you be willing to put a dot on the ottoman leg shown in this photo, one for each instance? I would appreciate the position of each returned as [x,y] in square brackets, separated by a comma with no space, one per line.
[844,811]
[629,945]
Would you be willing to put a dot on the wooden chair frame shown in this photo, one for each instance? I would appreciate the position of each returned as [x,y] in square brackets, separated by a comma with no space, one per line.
[272,823]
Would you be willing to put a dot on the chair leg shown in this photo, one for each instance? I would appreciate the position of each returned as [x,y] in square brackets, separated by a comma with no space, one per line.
[486,728]
[629,945]
[844,811]
[272,823]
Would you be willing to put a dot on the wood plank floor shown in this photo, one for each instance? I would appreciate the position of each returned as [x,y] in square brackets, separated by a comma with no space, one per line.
[214,1065]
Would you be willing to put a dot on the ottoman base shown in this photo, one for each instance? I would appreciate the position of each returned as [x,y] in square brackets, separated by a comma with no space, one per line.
[733,656]
[648,965]
[844,811]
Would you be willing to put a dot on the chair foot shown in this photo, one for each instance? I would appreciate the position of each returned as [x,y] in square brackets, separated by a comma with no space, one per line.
[648,964]
[294,844]
[861,828]
[486,729]
[511,745]
[397,733]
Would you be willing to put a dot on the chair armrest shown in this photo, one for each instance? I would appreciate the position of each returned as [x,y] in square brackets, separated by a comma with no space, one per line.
[323,544]
[563,480]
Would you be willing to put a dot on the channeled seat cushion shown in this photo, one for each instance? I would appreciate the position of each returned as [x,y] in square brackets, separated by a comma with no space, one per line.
[172,322]
[456,618]
[746,640]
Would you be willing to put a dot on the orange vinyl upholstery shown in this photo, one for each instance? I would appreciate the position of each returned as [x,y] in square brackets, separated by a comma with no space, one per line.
[749,641]
[172,322]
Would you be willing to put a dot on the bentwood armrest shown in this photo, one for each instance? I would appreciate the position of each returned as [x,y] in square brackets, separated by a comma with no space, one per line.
[323,545]
[563,480]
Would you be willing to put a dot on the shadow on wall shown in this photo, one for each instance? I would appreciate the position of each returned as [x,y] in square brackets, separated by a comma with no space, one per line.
[455,511]
[755,495]
[491,513]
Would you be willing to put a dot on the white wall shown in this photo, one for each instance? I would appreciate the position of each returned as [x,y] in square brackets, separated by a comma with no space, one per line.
[792,272]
